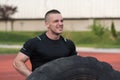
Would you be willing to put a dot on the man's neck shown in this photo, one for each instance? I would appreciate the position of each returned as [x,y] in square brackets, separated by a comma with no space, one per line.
[52,36]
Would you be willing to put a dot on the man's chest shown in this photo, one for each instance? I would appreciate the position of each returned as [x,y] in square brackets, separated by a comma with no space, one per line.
[52,49]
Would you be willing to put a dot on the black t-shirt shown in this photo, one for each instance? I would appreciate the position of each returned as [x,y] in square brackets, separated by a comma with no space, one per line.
[41,49]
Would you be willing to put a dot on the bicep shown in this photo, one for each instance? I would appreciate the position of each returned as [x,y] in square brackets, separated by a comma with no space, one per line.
[21,57]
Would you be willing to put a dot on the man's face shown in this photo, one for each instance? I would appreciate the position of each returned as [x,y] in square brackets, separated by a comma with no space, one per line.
[55,23]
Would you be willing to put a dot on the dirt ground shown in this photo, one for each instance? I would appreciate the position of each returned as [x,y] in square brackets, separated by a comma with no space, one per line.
[7,72]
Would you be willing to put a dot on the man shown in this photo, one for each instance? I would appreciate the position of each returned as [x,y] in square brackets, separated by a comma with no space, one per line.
[46,47]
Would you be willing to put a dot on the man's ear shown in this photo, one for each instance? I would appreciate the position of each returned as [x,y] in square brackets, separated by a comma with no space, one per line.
[46,24]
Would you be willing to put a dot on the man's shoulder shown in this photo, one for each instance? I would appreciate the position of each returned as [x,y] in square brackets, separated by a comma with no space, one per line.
[67,40]
[33,40]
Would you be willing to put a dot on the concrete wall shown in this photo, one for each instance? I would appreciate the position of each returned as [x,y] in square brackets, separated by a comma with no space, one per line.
[68,8]
[69,25]
[29,25]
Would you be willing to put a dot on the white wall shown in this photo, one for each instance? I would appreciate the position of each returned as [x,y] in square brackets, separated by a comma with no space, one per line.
[69,8]
[69,25]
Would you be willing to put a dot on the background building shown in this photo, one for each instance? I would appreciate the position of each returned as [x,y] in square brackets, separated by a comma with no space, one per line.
[78,14]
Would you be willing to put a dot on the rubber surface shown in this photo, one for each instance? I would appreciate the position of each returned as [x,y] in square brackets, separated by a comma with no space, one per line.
[75,68]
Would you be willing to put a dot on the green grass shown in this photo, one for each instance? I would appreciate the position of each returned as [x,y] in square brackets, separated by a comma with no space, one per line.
[89,39]
[81,39]
[8,51]
[16,37]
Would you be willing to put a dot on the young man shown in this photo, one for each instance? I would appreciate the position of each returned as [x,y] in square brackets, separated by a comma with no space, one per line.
[46,47]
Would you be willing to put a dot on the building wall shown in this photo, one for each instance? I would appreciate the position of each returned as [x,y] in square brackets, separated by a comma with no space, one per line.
[107,23]
[68,8]
[29,25]
[69,25]
[77,25]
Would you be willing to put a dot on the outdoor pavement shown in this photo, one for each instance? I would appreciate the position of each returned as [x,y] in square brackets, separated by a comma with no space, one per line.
[10,46]
[86,49]
[99,50]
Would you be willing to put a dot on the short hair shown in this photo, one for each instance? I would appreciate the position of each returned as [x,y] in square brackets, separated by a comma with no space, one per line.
[53,11]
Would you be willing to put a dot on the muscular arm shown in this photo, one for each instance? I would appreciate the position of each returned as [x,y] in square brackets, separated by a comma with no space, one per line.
[20,66]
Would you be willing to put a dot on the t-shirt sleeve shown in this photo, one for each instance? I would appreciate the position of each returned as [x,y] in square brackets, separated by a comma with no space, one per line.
[28,48]
[72,47]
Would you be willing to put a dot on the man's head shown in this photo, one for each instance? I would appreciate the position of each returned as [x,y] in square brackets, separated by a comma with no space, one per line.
[54,11]
[54,21]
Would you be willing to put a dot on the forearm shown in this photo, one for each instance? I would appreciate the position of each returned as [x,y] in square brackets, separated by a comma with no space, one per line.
[22,68]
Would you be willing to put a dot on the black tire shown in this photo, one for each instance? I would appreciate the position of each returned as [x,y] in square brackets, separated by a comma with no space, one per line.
[75,68]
